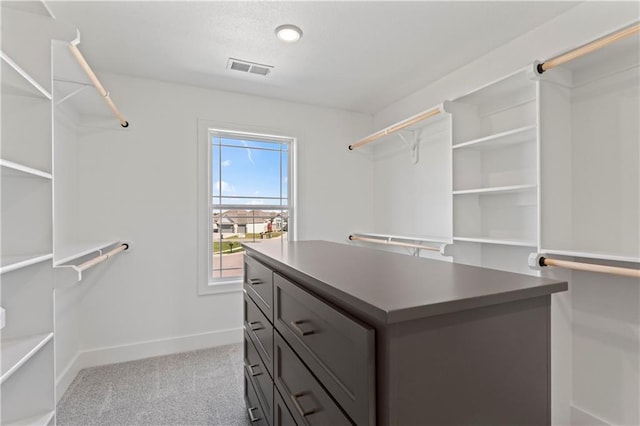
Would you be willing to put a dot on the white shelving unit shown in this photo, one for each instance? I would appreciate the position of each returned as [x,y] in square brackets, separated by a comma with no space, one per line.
[27,351]
[494,154]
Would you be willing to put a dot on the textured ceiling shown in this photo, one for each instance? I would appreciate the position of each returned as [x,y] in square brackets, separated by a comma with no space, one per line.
[358,56]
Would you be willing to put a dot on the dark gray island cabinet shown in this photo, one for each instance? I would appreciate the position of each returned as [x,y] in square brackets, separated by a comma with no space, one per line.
[337,334]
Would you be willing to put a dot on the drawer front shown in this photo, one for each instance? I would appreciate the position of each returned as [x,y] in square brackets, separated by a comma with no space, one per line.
[262,381]
[306,399]
[258,282]
[339,350]
[254,410]
[260,331]
[282,415]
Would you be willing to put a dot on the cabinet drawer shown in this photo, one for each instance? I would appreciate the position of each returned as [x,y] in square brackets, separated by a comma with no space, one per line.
[263,383]
[282,416]
[339,350]
[307,400]
[258,282]
[254,410]
[260,331]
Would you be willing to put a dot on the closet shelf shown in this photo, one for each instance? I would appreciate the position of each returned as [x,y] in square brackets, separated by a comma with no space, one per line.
[406,238]
[497,189]
[16,81]
[39,420]
[17,167]
[591,255]
[12,263]
[16,352]
[499,140]
[497,91]
[80,250]
[498,241]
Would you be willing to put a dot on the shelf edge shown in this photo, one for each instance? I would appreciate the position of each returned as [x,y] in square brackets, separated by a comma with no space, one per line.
[32,81]
[26,357]
[84,252]
[497,189]
[497,241]
[24,169]
[495,136]
[24,263]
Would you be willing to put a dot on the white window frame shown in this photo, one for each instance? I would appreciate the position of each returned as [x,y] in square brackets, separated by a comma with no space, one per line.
[206,283]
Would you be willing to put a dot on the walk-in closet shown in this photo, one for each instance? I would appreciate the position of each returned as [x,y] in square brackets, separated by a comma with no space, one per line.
[280,213]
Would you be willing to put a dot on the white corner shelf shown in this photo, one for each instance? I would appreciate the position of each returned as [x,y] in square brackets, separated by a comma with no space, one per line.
[12,263]
[79,250]
[498,241]
[16,352]
[499,140]
[497,190]
[42,419]
[591,255]
[17,167]
[16,81]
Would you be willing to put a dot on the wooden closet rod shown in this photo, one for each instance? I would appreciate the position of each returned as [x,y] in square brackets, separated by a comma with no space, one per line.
[588,48]
[96,260]
[395,127]
[393,243]
[590,267]
[94,79]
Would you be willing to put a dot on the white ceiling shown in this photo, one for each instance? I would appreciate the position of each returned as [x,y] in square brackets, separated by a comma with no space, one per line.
[359,56]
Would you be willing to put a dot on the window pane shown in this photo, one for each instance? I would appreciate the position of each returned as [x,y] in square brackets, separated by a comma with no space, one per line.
[249,173]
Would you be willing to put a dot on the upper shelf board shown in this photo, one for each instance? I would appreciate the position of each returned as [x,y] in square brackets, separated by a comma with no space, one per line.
[497,91]
[499,140]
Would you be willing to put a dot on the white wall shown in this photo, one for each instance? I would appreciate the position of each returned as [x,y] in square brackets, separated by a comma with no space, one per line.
[140,184]
[579,25]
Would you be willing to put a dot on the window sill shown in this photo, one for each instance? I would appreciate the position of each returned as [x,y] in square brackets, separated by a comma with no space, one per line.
[221,287]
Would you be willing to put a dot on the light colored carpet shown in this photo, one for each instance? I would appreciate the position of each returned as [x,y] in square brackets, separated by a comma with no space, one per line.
[202,387]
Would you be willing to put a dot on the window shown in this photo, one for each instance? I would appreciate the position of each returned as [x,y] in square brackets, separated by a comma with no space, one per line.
[248,191]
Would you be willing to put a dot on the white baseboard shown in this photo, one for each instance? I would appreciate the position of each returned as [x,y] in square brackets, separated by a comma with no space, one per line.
[140,350]
[64,379]
[580,417]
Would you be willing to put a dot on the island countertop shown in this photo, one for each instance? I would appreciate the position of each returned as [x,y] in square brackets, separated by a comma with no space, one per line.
[390,287]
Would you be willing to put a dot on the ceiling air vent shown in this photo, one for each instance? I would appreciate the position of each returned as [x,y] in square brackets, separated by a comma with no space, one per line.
[250,67]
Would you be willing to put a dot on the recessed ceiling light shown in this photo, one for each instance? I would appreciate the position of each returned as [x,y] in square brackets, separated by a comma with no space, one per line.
[289,33]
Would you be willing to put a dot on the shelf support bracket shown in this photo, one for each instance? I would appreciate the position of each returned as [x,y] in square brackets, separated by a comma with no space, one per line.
[410,138]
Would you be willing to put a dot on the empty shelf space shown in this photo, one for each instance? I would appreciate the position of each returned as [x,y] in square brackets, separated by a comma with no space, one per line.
[500,241]
[16,81]
[497,190]
[17,169]
[498,140]
[12,263]
[77,251]
[42,419]
[16,352]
